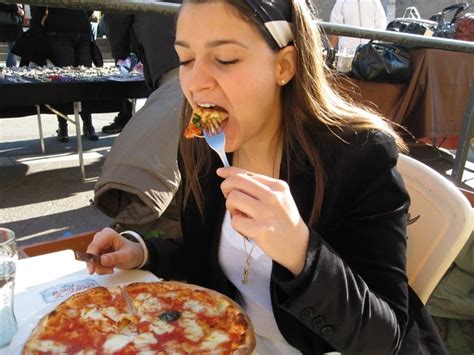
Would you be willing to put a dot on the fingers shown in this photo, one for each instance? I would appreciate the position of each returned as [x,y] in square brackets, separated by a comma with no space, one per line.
[107,263]
[239,203]
[105,241]
[238,179]
[245,225]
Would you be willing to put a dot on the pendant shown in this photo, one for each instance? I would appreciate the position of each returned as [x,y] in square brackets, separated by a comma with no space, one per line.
[245,275]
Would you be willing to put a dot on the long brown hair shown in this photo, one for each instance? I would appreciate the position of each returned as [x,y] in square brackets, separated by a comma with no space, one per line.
[309,104]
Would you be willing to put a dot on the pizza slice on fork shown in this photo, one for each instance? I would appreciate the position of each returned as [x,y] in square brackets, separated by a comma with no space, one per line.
[204,118]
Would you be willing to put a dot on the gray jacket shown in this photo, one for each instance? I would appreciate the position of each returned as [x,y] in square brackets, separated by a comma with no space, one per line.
[140,175]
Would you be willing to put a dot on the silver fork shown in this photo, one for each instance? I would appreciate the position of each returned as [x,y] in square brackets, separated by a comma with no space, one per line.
[217,142]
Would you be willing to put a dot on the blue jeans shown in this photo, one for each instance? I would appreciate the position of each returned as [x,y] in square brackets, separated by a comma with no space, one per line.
[11,58]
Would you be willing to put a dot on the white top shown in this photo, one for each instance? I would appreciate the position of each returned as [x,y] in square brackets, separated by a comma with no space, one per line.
[255,294]
[360,13]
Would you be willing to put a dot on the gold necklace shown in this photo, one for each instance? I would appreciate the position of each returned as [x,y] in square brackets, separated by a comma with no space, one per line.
[246,272]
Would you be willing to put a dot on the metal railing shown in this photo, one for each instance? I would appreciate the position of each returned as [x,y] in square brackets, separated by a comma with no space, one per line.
[148,6]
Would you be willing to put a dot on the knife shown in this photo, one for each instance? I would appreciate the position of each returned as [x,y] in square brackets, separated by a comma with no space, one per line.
[87,257]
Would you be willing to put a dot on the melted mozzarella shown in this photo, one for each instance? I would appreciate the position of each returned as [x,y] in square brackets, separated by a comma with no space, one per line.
[87,352]
[198,307]
[144,339]
[48,346]
[92,312]
[161,327]
[115,342]
[214,339]
[72,313]
[143,296]
[194,306]
[188,314]
[112,313]
[192,329]
[150,304]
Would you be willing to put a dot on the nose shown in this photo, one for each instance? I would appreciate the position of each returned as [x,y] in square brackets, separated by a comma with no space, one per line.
[200,77]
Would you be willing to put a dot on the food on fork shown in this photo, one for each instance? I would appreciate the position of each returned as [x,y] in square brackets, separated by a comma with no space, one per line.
[144,317]
[204,118]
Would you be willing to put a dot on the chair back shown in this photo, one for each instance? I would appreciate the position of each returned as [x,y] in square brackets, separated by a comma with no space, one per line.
[441,220]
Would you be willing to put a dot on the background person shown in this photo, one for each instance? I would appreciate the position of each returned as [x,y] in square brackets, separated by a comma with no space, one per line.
[360,13]
[69,32]
[9,33]
[152,38]
[308,171]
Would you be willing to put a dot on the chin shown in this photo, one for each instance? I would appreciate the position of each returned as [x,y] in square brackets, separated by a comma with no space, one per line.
[231,142]
[230,146]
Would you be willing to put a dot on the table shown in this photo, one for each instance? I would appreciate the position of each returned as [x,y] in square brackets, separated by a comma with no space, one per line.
[37,276]
[68,97]
[434,103]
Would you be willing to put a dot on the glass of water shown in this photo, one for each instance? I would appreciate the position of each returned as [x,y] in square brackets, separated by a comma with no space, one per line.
[8,258]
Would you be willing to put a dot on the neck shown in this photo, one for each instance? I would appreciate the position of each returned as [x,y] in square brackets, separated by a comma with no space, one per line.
[263,157]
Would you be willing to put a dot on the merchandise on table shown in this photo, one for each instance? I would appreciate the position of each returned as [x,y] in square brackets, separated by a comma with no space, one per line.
[66,74]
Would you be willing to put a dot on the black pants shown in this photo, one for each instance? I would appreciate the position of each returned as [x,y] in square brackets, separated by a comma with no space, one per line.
[72,49]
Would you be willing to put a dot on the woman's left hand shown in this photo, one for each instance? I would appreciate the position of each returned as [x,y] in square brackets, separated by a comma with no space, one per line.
[263,209]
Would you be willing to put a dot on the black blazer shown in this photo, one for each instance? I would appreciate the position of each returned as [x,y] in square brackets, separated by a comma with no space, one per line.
[352,295]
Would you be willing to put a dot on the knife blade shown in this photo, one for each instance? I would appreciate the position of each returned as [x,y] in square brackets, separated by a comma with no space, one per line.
[127,298]
[87,257]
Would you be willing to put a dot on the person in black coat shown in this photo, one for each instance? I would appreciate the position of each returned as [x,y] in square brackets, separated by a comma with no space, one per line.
[69,32]
[9,33]
[151,36]
[307,227]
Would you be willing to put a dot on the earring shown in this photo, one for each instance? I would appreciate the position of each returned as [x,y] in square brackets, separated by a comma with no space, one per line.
[282,82]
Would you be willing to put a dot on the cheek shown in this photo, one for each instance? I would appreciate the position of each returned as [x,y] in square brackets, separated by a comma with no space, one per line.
[183,81]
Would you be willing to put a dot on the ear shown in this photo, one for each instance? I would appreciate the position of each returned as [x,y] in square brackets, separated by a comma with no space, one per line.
[285,65]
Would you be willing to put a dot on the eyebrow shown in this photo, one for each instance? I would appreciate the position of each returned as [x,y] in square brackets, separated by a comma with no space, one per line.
[213,44]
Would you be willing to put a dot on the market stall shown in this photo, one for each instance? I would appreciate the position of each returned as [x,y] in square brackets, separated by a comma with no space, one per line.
[26,91]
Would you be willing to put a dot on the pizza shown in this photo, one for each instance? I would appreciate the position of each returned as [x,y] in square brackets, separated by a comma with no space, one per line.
[144,318]
[204,118]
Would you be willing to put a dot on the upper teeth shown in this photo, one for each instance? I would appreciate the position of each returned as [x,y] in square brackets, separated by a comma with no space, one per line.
[206,105]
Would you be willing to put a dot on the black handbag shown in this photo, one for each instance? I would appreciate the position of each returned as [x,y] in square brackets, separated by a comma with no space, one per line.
[445,28]
[411,25]
[97,57]
[411,22]
[34,46]
[8,18]
[381,62]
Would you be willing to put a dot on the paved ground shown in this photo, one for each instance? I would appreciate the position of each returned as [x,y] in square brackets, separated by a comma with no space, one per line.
[42,196]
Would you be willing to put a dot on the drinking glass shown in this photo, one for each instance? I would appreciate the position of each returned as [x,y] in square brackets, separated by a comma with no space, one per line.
[8,258]
[344,60]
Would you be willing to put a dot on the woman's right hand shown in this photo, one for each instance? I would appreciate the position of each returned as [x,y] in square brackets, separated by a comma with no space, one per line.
[115,252]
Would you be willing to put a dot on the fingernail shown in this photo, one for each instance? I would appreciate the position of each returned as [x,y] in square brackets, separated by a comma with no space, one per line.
[219,171]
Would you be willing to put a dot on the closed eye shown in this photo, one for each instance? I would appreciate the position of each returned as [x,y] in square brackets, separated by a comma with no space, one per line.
[228,62]
[185,62]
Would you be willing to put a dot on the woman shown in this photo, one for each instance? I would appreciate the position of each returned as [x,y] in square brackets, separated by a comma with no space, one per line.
[313,187]
[10,32]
